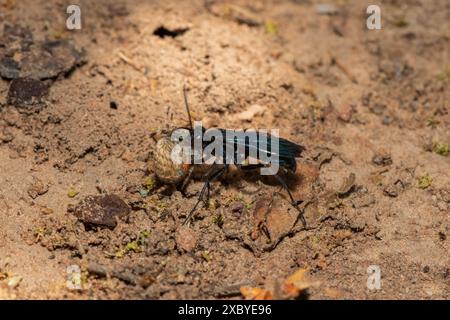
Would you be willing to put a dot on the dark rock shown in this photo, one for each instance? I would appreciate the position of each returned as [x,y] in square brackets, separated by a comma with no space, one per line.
[23,57]
[9,68]
[163,32]
[13,34]
[237,208]
[101,211]
[390,191]
[394,189]
[113,105]
[27,93]
[382,159]
[37,188]
[347,185]
[377,108]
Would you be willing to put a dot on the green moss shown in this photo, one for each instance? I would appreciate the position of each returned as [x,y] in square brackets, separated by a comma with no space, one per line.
[314,239]
[135,246]
[132,246]
[400,22]
[142,241]
[150,183]
[248,205]
[76,280]
[213,204]
[161,206]
[206,256]
[218,220]
[444,75]
[432,122]
[145,234]
[39,232]
[425,181]
[441,148]
[72,193]
[271,27]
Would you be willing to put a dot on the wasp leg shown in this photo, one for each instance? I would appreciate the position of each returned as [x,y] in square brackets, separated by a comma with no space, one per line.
[212,176]
[202,192]
[215,176]
[208,194]
[185,183]
[294,203]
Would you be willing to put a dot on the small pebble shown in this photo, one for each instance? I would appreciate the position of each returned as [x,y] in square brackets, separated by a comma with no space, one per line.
[25,92]
[237,208]
[37,188]
[14,281]
[186,239]
[382,159]
[113,105]
[326,8]
[101,211]
[442,206]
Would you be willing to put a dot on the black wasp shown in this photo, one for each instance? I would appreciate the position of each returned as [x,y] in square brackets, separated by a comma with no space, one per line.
[179,174]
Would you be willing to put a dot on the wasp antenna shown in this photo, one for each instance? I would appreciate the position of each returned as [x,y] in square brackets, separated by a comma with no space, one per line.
[169,117]
[187,107]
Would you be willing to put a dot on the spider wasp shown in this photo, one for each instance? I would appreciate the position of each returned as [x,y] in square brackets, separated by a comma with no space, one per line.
[179,173]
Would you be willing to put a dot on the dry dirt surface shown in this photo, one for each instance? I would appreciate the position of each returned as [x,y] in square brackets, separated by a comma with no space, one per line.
[80,112]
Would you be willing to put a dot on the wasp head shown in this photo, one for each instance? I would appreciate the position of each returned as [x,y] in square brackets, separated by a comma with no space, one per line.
[169,167]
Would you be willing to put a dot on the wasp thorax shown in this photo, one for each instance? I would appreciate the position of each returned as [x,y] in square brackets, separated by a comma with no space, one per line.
[167,168]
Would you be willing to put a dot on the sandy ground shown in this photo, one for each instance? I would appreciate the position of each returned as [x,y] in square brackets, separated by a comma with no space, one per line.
[370,106]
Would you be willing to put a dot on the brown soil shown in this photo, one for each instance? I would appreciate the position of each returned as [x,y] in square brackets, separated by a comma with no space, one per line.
[368,105]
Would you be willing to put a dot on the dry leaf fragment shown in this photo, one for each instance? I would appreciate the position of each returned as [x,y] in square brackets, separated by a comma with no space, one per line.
[347,185]
[295,284]
[292,287]
[252,293]
[251,112]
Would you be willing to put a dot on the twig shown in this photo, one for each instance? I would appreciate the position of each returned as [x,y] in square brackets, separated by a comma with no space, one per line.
[129,61]
[102,271]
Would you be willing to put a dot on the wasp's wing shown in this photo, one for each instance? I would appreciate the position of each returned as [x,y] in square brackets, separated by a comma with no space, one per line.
[286,154]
